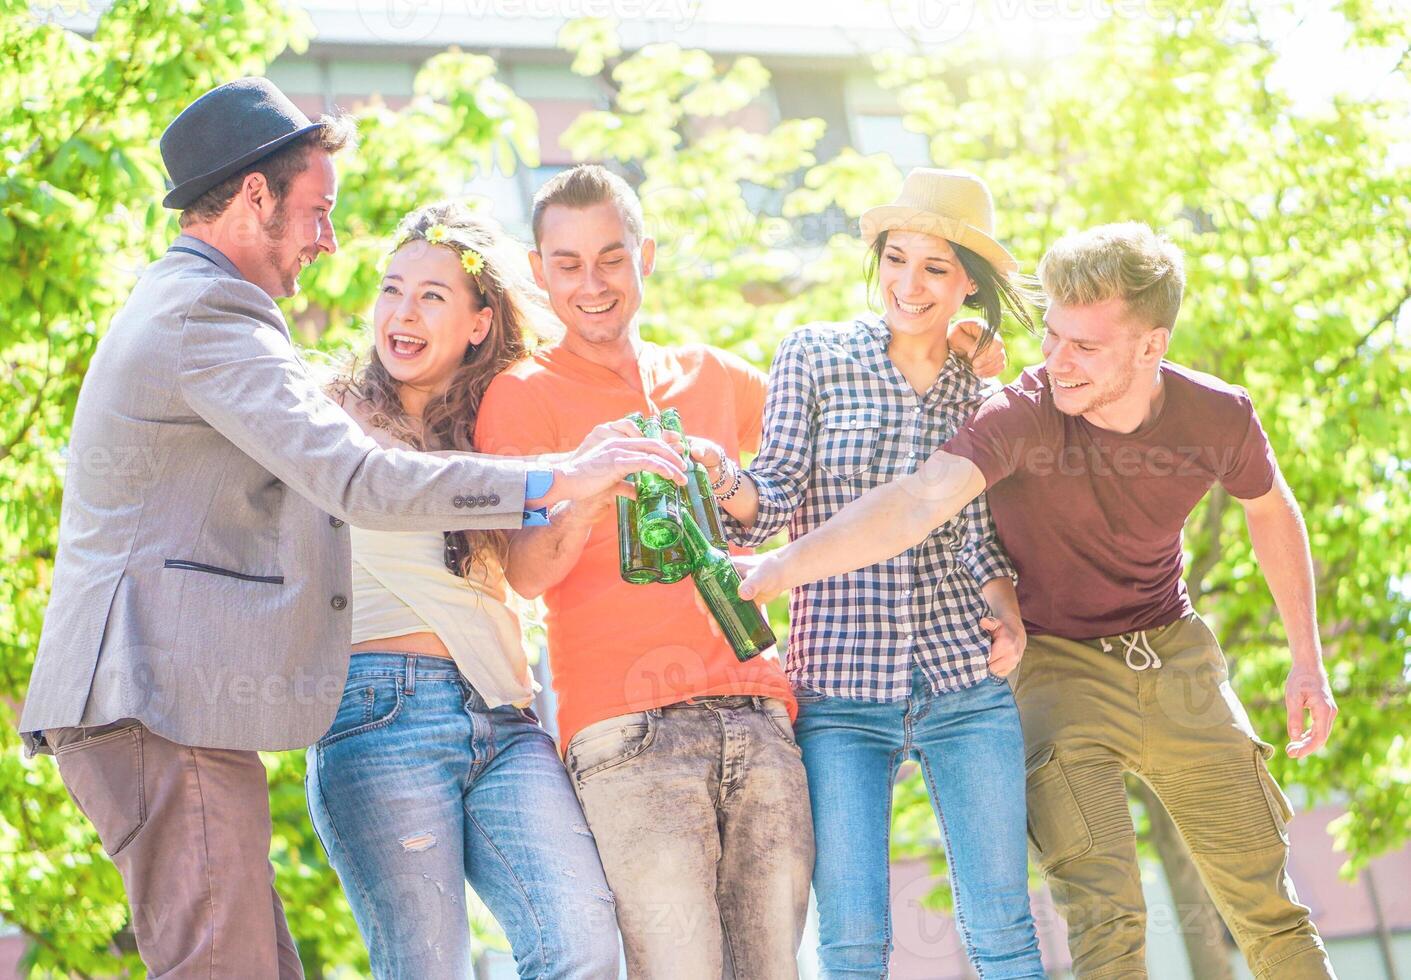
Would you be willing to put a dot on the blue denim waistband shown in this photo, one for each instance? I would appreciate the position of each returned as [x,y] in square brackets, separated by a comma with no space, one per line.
[398,663]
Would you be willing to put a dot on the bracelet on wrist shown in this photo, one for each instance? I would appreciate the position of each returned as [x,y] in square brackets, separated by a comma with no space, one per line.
[725,468]
[734,485]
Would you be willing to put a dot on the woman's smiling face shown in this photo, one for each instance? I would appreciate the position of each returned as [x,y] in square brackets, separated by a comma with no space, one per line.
[922,282]
[427,314]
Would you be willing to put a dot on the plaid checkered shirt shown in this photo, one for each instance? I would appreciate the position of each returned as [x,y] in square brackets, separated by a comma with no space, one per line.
[841,419]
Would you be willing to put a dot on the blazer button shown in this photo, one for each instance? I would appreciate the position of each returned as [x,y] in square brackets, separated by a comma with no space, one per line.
[338,602]
[483,500]
[494,500]
[334,522]
[459,501]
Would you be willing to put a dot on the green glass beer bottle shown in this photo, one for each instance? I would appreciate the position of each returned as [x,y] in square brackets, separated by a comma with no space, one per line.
[638,562]
[674,563]
[658,502]
[697,494]
[740,620]
[634,559]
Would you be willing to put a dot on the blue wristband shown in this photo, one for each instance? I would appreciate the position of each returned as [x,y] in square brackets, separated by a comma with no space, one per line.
[536,484]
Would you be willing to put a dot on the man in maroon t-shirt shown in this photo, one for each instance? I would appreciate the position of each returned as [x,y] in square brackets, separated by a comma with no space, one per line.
[1093,463]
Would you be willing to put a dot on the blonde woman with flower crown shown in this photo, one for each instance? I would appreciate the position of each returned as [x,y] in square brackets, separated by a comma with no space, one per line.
[435,772]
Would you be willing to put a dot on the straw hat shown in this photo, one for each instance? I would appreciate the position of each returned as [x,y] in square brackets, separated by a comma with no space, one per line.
[949,204]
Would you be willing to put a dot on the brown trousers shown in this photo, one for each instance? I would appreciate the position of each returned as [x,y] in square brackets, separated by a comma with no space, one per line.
[189,830]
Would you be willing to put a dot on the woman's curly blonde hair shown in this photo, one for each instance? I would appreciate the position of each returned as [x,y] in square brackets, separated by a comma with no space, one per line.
[448,421]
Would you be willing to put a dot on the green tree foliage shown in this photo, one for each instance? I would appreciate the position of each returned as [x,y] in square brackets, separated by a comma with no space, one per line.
[1297,229]
[1296,226]
[80,187]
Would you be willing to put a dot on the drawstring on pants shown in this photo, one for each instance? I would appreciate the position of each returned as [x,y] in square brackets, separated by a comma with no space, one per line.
[1139,654]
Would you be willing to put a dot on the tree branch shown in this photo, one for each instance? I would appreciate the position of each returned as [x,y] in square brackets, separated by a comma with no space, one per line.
[1388,317]
[1211,532]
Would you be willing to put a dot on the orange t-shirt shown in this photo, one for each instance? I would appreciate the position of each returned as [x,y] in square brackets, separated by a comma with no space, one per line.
[616,647]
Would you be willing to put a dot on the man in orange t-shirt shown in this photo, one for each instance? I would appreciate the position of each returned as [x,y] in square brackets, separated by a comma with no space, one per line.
[683,757]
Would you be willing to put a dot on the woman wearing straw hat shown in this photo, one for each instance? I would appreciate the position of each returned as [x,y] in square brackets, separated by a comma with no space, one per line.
[907,658]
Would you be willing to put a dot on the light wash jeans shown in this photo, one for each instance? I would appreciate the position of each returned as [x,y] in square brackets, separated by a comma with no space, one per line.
[971,752]
[700,809]
[419,787]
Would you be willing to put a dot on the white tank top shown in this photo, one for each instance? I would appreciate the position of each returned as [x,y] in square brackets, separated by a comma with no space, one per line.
[401,586]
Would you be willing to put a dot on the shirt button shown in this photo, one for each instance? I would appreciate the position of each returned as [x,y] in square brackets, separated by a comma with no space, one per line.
[459,501]
[911,455]
[334,522]
[338,602]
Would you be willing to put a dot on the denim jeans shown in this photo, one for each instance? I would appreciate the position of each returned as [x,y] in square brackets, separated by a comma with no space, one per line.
[418,788]
[971,752]
[700,809]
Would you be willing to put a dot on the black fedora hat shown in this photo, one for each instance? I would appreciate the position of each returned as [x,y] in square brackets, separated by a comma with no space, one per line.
[228,128]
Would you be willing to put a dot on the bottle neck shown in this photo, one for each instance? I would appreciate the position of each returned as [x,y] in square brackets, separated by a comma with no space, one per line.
[698,546]
[671,422]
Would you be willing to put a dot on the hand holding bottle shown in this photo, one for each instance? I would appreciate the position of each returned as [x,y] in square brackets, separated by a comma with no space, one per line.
[709,455]
[590,509]
[601,464]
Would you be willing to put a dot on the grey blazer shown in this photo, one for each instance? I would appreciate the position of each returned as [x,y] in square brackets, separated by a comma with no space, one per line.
[203,564]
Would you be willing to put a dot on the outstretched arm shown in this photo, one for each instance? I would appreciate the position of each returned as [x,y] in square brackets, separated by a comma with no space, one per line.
[879,525]
[1280,542]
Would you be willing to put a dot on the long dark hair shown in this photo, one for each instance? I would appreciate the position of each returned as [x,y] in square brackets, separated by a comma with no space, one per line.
[996,293]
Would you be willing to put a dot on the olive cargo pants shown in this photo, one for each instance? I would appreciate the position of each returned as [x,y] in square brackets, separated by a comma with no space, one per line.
[1157,703]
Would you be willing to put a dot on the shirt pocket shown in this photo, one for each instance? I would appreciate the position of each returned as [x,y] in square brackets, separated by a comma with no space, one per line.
[847,440]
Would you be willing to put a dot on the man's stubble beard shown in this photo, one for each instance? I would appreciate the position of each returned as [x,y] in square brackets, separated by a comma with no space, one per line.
[276,231]
[1113,393]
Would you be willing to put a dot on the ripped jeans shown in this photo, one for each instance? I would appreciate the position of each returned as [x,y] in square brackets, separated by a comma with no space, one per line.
[419,787]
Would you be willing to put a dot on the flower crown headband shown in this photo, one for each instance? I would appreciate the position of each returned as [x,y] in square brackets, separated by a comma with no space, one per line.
[471,260]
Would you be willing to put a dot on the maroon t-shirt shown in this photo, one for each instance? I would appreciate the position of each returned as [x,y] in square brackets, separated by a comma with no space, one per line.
[1092,519]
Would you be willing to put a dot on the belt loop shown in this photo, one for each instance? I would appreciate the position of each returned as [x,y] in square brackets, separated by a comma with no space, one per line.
[409,685]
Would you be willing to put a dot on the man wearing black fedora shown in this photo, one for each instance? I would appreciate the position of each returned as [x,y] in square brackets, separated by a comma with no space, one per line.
[199,609]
